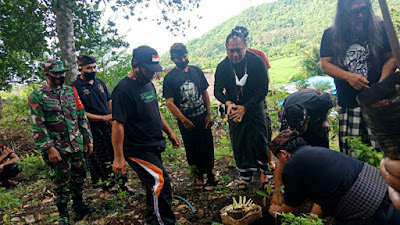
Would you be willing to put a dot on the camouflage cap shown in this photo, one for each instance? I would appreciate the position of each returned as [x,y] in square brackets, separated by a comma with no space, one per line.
[54,65]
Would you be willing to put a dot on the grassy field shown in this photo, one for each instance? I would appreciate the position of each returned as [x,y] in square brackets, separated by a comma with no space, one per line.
[283,69]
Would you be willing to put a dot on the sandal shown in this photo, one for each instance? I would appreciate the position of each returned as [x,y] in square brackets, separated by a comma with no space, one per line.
[198,187]
[264,186]
[243,186]
[214,181]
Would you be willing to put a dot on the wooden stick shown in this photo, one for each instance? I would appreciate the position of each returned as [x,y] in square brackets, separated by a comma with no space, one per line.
[394,41]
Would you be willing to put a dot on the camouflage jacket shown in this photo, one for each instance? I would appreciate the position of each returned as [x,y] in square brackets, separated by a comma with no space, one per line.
[58,119]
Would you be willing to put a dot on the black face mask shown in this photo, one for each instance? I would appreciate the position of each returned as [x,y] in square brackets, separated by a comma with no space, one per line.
[89,76]
[182,65]
[141,77]
[57,81]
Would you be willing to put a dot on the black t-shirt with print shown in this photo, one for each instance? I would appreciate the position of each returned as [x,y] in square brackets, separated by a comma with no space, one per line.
[319,174]
[358,60]
[186,88]
[135,105]
[94,96]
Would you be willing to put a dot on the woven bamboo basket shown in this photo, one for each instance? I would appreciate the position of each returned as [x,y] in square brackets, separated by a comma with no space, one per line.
[249,218]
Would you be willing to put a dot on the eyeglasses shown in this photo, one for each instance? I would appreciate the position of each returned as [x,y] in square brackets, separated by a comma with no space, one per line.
[238,50]
[363,10]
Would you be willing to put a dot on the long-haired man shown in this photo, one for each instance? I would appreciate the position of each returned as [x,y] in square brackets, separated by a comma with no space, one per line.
[356,52]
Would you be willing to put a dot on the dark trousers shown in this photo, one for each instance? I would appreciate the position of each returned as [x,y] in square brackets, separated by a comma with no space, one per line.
[199,146]
[100,161]
[250,147]
[9,171]
[148,166]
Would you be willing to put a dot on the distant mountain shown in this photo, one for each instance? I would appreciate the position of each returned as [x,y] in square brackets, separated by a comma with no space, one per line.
[281,29]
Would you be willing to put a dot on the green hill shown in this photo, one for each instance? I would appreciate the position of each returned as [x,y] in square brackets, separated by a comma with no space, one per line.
[282,29]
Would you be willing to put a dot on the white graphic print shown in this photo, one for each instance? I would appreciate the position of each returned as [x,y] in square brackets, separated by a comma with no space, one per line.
[191,99]
[356,59]
[189,92]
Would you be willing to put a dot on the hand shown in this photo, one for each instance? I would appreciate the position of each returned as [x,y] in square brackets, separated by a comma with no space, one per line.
[176,143]
[358,82]
[119,165]
[107,118]
[1,167]
[237,113]
[89,148]
[229,107]
[208,121]
[188,124]
[273,209]
[326,127]
[4,152]
[275,200]
[54,155]
[390,171]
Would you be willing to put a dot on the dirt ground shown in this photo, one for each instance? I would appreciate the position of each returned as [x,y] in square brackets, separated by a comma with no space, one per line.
[37,198]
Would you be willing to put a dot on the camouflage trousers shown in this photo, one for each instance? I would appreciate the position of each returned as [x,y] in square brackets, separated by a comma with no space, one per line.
[68,176]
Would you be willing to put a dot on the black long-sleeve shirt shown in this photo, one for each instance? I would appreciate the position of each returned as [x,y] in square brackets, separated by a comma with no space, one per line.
[256,87]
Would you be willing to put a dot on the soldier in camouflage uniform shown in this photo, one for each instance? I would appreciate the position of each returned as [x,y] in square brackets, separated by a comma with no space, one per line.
[61,131]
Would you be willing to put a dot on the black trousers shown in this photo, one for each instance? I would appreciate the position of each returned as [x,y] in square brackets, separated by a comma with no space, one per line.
[148,166]
[100,161]
[199,146]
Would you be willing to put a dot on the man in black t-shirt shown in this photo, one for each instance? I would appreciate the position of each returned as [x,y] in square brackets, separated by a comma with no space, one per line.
[356,52]
[96,99]
[186,96]
[137,134]
[350,191]
[241,83]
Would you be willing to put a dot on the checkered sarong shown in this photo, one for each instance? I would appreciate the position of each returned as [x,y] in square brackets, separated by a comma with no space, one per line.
[364,197]
[351,123]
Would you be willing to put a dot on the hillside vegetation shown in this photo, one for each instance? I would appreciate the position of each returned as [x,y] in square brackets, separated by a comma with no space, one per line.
[282,29]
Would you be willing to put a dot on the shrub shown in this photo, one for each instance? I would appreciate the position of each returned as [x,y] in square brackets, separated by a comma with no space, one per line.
[33,165]
[364,152]
[311,219]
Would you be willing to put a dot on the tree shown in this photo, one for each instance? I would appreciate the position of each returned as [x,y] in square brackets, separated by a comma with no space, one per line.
[71,26]
[22,40]
[310,63]
[66,17]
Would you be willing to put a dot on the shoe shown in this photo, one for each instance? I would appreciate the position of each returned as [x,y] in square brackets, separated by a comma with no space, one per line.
[82,210]
[214,181]
[63,214]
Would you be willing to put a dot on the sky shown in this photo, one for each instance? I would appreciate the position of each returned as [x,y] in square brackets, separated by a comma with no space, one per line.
[213,13]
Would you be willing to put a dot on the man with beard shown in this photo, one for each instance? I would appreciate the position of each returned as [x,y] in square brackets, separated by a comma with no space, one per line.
[186,96]
[97,102]
[137,134]
[61,131]
[356,52]
[241,83]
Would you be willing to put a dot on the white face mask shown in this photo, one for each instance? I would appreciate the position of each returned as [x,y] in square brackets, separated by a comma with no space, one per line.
[243,80]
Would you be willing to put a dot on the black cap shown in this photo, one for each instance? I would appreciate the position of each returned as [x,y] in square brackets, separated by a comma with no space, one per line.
[147,57]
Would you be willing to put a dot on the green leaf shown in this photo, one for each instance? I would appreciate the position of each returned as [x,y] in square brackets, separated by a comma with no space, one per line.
[262,193]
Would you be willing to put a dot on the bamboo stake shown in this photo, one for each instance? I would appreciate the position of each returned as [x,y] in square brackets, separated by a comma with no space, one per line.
[394,41]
